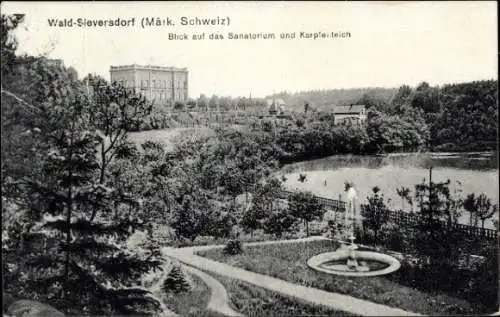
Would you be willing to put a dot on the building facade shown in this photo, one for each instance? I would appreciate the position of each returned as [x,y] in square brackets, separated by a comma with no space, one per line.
[350,115]
[162,85]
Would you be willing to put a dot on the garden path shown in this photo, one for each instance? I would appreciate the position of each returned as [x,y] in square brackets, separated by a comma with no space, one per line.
[316,296]
[219,299]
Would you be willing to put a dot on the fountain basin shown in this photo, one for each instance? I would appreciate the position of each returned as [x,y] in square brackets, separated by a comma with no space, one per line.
[329,262]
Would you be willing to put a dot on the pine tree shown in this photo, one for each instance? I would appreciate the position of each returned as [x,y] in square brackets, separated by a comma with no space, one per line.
[436,244]
[53,178]
[88,268]
[113,111]
[176,281]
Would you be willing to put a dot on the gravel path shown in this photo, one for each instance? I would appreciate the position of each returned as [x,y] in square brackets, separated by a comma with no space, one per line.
[219,299]
[316,296]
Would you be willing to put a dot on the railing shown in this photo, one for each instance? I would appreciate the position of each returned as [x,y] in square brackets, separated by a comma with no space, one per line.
[402,218]
[337,205]
[411,220]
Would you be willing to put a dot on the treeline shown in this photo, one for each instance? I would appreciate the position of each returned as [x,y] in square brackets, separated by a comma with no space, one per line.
[455,117]
[325,99]
[467,118]
[316,135]
[220,103]
[458,117]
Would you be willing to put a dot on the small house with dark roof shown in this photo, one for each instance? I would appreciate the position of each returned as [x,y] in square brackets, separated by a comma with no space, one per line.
[350,115]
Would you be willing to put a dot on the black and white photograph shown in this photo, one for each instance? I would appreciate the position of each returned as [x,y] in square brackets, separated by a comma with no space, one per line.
[246,158]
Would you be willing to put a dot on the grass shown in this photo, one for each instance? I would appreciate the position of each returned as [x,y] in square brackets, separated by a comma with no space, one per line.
[209,240]
[192,303]
[251,300]
[245,298]
[288,262]
[170,137]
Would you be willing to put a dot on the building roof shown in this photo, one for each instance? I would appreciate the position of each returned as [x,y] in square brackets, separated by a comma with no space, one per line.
[145,67]
[352,109]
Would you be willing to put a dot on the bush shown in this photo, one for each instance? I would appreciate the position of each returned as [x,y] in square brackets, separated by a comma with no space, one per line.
[375,214]
[179,105]
[233,247]
[483,287]
[279,223]
[394,238]
[176,281]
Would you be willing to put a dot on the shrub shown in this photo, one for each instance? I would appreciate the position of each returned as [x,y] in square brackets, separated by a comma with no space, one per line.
[176,281]
[279,223]
[179,105]
[364,235]
[233,247]
[483,287]
[394,238]
[375,213]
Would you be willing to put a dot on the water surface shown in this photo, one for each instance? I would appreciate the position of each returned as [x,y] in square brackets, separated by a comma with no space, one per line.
[468,172]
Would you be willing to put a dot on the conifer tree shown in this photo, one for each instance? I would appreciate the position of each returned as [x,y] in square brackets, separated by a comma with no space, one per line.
[176,281]
[436,243]
[113,111]
[88,268]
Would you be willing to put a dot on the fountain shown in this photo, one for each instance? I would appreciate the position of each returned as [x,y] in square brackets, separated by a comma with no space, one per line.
[348,260]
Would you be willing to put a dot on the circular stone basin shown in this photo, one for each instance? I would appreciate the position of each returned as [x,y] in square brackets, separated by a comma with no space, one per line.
[371,263]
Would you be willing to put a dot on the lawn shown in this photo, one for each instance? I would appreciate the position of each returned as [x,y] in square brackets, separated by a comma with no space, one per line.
[245,298]
[251,300]
[169,137]
[192,303]
[288,262]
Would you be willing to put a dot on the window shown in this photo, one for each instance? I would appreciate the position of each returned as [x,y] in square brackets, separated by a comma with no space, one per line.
[154,84]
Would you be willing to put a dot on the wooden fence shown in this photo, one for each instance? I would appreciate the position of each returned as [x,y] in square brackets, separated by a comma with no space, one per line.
[336,205]
[411,220]
[405,219]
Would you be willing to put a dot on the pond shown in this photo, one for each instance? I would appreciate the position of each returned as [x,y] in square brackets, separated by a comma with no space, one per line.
[468,172]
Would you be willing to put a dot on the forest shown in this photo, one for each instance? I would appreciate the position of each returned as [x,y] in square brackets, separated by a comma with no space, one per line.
[453,117]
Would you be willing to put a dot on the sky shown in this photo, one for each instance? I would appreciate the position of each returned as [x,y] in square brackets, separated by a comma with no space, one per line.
[390,43]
